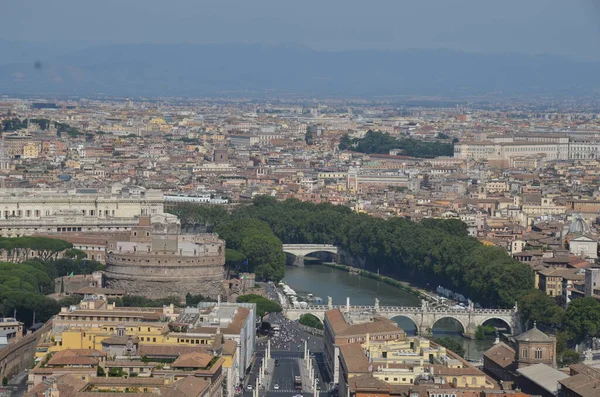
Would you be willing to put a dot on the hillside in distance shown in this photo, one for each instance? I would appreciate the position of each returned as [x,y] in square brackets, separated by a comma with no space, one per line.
[252,70]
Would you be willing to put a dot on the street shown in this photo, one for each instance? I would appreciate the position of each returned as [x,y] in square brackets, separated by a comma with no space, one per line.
[287,351]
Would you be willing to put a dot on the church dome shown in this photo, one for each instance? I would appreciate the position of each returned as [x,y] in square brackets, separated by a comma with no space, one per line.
[578,225]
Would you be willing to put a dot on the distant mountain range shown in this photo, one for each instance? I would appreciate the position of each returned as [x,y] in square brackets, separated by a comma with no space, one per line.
[251,70]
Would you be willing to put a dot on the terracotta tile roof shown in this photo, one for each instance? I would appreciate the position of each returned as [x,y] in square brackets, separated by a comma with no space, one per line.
[341,327]
[533,335]
[354,358]
[501,354]
[76,357]
[137,381]
[80,353]
[367,382]
[67,385]
[586,383]
[188,387]
[168,350]
[57,361]
[192,360]
[229,347]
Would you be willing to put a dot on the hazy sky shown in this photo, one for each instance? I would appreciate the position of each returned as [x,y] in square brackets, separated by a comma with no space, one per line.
[564,27]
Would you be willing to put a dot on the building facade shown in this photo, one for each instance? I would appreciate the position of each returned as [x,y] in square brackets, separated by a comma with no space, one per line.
[26,212]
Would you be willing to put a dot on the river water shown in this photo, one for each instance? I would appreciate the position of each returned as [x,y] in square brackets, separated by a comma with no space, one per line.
[323,281]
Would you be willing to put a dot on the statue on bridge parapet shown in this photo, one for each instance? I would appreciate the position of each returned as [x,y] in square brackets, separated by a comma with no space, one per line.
[516,308]
[376,304]
[471,305]
[329,303]
[424,305]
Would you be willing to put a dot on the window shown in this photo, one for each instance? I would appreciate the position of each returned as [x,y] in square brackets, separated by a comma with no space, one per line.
[473,381]
[538,354]
[524,353]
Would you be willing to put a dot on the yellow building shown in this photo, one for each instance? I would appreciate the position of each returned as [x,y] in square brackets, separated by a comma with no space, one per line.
[215,328]
[31,150]
[72,164]
[404,361]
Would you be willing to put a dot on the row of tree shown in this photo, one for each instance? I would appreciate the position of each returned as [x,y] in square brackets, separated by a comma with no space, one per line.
[579,321]
[19,248]
[434,252]
[15,124]
[24,285]
[262,250]
[381,143]
[264,306]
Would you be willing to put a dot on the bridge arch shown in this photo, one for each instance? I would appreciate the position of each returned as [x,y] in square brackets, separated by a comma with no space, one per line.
[455,318]
[397,318]
[508,323]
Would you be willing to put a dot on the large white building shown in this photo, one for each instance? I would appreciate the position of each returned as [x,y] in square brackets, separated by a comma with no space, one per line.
[501,150]
[42,211]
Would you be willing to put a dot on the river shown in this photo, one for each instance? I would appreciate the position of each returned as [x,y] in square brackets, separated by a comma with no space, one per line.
[323,281]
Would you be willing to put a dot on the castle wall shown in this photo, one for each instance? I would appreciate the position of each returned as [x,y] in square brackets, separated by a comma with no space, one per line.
[158,275]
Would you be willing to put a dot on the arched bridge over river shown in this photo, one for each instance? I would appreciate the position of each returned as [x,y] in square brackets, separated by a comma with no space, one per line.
[424,316]
[299,251]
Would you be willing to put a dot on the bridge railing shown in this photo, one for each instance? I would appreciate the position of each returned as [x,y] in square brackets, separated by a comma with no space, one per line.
[407,309]
[310,245]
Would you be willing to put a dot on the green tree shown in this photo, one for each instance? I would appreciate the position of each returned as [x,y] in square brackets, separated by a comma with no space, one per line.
[536,306]
[451,344]
[380,142]
[70,300]
[265,256]
[569,357]
[75,254]
[142,301]
[263,305]
[310,320]
[193,300]
[582,319]
[116,372]
[483,331]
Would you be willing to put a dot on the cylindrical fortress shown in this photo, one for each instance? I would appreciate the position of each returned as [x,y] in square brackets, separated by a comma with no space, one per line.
[156,261]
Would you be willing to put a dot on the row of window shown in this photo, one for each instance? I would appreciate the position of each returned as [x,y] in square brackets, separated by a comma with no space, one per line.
[396,380]
[538,353]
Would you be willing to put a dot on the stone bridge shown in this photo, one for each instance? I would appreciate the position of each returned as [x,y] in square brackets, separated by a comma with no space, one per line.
[424,317]
[302,250]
